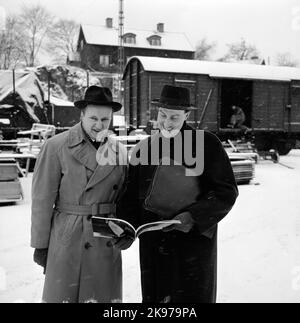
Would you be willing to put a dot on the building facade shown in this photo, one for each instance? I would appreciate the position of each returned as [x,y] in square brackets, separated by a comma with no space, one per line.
[97,47]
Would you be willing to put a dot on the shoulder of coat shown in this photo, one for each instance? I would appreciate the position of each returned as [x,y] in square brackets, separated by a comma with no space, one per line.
[57,141]
[211,138]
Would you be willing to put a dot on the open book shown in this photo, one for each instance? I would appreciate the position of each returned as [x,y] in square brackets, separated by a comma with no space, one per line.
[116,228]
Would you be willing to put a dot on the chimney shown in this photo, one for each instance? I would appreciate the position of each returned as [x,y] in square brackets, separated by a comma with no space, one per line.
[109,22]
[160,27]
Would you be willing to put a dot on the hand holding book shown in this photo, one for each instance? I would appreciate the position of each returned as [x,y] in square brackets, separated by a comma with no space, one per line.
[122,243]
[117,229]
[185,225]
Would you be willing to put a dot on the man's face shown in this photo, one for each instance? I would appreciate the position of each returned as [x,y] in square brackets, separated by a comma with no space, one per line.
[171,120]
[95,119]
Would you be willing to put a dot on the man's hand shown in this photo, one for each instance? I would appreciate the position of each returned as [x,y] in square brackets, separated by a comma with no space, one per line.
[186,224]
[40,257]
[121,243]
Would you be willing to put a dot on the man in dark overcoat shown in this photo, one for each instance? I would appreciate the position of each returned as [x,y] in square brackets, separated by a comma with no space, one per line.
[179,264]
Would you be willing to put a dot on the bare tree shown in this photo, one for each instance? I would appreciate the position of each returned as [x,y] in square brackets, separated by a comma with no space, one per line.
[11,44]
[240,51]
[204,49]
[286,59]
[63,39]
[36,23]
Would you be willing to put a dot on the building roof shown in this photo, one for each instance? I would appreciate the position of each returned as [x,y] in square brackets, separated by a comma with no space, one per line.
[257,61]
[102,35]
[217,69]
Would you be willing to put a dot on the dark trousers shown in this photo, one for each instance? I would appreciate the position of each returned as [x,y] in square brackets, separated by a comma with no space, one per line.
[178,267]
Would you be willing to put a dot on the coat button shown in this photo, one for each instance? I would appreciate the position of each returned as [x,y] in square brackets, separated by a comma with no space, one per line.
[115,187]
[87,245]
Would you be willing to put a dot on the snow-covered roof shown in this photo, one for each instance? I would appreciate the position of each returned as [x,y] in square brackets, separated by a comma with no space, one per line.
[218,69]
[29,94]
[101,35]
[60,102]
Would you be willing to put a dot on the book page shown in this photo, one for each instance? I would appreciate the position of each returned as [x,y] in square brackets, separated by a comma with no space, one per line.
[111,227]
[155,226]
[116,228]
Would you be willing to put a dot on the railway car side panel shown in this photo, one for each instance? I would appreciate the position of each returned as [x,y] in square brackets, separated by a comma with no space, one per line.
[295,107]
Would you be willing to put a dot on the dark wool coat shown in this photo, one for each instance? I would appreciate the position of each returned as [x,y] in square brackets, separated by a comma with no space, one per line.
[177,266]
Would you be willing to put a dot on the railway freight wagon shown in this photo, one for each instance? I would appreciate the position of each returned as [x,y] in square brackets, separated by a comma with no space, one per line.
[268,95]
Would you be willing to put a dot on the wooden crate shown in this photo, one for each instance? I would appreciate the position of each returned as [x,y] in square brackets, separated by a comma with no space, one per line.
[11,191]
[8,171]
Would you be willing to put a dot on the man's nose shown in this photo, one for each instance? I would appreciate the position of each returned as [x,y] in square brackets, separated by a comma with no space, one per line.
[99,125]
[168,124]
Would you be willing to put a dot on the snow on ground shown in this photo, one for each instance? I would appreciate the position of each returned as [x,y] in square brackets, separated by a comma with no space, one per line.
[258,253]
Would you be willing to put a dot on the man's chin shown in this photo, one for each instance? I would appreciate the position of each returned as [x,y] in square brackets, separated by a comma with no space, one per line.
[169,134]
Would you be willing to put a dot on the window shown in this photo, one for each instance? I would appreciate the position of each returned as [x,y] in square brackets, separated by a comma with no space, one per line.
[154,40]
[104,60]
[81,44]
[129,38]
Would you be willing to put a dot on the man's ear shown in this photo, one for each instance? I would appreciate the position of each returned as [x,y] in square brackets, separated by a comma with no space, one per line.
[187,115]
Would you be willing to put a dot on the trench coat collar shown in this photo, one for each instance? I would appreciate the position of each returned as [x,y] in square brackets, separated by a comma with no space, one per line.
[81,149]
[76,135]
[85,153]
[103,171]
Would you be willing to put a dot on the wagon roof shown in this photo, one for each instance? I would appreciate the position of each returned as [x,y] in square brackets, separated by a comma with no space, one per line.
[217,69]
[101,35]
[60,102]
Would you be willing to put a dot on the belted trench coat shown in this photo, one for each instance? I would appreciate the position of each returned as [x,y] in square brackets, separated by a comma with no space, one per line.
[80,268]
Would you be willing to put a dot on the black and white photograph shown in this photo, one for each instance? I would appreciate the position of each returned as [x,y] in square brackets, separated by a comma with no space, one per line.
[150,153]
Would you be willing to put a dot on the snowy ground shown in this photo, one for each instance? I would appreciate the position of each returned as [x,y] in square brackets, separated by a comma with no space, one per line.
[259,244]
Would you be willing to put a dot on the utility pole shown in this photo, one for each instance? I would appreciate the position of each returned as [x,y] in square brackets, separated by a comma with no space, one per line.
[121,47]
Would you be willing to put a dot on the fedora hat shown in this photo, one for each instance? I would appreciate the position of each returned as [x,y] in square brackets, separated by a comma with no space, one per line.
[100,96]
[175,98]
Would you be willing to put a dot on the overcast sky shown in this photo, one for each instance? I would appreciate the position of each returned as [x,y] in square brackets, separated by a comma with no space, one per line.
[272,25]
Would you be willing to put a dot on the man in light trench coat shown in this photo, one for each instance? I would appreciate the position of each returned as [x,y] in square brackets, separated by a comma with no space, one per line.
[68,187]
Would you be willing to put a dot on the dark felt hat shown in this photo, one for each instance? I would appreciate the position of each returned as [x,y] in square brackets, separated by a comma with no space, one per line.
[100,96]
[175,98]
